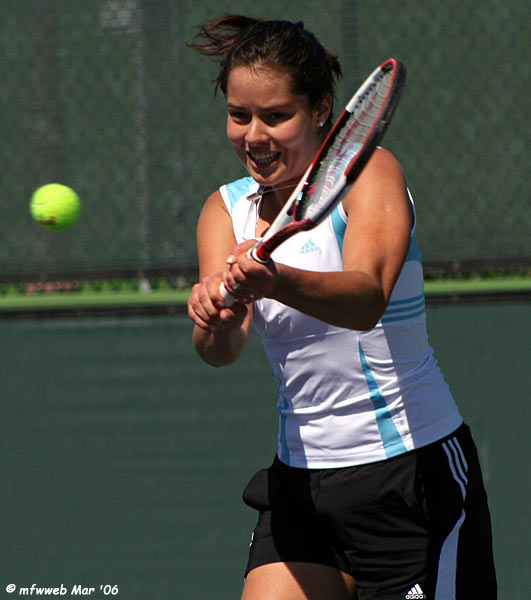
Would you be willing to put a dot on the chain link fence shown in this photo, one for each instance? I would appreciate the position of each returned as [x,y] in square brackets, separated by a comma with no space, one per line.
[103,96]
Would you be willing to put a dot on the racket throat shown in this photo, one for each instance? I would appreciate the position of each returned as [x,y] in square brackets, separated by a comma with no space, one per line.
[256,254]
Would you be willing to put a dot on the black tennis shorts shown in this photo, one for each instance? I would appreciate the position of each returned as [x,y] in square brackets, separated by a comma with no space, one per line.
[413,527]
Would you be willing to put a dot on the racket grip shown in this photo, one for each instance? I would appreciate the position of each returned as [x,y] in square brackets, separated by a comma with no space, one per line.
[228,298]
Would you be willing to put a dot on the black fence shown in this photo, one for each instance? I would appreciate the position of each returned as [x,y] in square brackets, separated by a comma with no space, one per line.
[103,95]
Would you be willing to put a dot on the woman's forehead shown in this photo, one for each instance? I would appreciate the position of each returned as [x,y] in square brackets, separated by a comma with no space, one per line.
[270,83]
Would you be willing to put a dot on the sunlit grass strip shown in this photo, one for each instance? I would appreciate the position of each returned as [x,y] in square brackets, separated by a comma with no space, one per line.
[108,294]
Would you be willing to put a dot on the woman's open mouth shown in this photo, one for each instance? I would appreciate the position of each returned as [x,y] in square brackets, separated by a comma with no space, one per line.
[263,159]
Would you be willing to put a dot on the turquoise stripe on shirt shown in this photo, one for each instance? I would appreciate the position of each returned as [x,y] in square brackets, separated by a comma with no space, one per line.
[392,442]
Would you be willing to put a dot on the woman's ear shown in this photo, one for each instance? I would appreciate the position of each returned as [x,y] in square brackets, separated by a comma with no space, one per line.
[324,110]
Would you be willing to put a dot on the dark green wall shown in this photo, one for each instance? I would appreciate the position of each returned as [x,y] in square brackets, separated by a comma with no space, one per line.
[124,456]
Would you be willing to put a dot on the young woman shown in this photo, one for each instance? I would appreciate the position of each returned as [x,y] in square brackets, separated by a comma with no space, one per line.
[376,490]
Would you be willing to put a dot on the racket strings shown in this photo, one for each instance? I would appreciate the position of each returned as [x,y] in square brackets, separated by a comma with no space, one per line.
[346,144]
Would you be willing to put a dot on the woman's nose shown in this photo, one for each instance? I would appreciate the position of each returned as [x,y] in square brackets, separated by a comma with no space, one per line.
[256,132]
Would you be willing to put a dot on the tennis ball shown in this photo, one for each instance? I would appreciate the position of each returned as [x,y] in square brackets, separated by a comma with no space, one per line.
[55,206]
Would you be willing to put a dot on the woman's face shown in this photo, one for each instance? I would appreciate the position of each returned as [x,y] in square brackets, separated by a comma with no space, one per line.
[275,133]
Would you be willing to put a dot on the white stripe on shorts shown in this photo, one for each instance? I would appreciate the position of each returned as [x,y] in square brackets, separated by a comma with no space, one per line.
[454,452]
[445,587]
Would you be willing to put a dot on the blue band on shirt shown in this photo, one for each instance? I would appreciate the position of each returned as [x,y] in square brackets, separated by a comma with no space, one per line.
[237,189]
[339,226]
[392,442]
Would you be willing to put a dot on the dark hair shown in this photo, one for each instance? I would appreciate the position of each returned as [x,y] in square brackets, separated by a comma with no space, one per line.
[284,45]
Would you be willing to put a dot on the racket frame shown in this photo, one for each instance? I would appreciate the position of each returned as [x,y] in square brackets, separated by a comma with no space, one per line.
[288,221]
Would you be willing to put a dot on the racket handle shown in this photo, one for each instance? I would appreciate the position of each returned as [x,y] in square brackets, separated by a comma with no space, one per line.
[228,298]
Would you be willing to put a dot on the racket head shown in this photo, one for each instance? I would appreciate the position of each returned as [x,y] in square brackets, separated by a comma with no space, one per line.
[341,157]
[351,141]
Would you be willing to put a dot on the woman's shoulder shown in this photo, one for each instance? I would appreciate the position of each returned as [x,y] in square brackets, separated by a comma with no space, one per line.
[382,169]
[384,160]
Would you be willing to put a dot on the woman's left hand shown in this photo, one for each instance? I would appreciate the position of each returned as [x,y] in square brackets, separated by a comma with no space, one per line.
[246,279]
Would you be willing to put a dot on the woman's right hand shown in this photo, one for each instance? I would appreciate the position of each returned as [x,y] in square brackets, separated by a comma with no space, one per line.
[207,310]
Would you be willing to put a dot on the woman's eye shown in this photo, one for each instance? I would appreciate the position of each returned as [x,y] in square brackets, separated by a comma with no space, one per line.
[239,117]
[276,117]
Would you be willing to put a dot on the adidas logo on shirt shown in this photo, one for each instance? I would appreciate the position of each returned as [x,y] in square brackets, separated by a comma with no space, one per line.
[415,593]
[309,246]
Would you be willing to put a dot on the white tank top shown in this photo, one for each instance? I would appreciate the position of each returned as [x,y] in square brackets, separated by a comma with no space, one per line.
[346,397]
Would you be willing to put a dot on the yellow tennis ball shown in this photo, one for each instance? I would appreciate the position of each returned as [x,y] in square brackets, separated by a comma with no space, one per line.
[55,206]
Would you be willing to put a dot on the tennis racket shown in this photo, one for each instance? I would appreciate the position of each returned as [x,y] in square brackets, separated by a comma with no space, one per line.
[339,161]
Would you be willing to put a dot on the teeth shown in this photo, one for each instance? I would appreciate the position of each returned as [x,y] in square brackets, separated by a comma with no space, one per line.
[264,158]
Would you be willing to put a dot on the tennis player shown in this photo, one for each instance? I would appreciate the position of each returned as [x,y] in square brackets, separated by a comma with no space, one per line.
[376,491]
